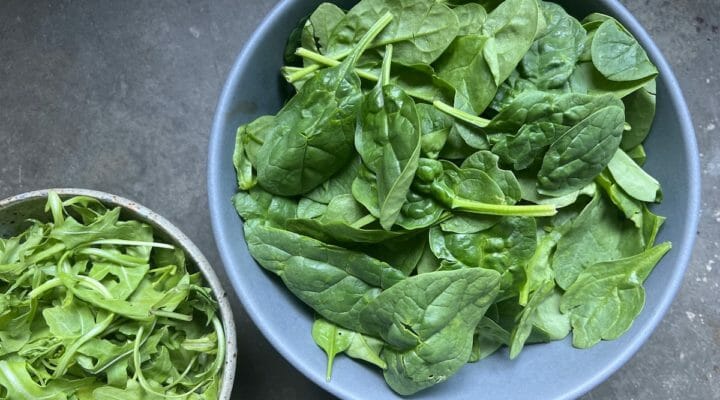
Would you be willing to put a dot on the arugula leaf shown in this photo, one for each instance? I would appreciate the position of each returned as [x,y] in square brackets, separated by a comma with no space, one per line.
[80,288]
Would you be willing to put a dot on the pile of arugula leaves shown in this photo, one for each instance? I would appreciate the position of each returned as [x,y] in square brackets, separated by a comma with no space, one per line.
[91,307]
[452,177]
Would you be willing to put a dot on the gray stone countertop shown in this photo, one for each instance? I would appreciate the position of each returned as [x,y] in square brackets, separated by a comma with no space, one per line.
[119,96]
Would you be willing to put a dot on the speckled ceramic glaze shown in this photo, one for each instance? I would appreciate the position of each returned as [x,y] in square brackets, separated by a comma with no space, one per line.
[15,211]
[548,371]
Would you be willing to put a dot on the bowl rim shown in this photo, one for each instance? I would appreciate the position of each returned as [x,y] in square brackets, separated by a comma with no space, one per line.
[677,99]
[191,250]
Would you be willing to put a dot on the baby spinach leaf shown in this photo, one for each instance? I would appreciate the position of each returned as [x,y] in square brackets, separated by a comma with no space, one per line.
[632,208]
[429,321]
[435,127]
[523,328]
[464,67]
[587,79]
[597,234]
[633,179]
[607,296]
[552,57]
[489,337]
[471,17]
[337,283]
[332,339]
[323,21]
[343,221]
[311,138]
[387,138]
[549,323]
[505,247]
[639,113]
[618,56]
[578,156]
[338,184]
[420,31]
[248,139]
[335,340]
[259,204]
[487,162]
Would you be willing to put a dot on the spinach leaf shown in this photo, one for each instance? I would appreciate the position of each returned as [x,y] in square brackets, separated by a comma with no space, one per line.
[465,68]
[618,56]
[505,247]
[552,57]
[471,17]
[339,184]
[587,79]
[511,29]
[429,321]
[607,296]
[435,127]
[332,339]
[489,337]
[337,283]
[387,138]
[335,340]
[597,234]
[323,21]
[633,179]
[311,138]
[420,31]
[578,156]
[343,221]
[524,326]
[639,113]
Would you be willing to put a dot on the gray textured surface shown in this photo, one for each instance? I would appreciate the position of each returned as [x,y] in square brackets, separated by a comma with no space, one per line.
[119,97]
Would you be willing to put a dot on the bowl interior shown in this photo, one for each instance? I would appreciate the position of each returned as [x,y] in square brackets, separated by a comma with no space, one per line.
[548,371]
[15,212]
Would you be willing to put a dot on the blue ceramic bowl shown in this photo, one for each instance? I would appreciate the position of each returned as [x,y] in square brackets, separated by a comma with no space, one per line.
[548,371]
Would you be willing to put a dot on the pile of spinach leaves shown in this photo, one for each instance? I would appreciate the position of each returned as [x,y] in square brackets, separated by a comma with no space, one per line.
[454,177]
[91,307]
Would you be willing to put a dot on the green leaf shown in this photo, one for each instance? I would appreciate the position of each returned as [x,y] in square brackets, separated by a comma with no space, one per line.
[420,31]
[471,17]
[332,339]
[607,296]
[337,283]
[552,57]
[639,113]
[387,138]
[429,321]
[511,29]
[311,137]
[618,56]
[19,385]
[578,156]
[69,321]
[633,179]
[598,234]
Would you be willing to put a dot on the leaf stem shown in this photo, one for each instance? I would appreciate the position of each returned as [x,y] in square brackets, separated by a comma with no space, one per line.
[476,207]
[461,115]
[121,242]
[172,315]
[324,60]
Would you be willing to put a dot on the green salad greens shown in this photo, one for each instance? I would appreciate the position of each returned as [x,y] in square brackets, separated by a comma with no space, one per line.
[91,307]
[455,177]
